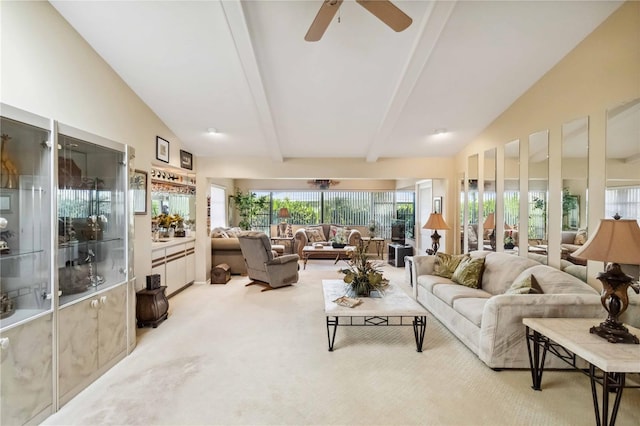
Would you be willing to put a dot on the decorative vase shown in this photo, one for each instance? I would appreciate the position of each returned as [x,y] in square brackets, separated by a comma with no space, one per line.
[338,245]
[509,246]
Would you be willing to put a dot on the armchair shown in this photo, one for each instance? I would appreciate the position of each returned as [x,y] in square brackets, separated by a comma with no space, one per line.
[262,266]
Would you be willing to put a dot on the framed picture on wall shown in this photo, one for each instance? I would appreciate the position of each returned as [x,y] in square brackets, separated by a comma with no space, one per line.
[162,149]
[186,160]
[138,186]
[437,205]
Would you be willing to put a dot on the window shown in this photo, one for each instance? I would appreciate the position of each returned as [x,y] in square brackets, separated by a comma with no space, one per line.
[217,212]
[624,201]
[353,208]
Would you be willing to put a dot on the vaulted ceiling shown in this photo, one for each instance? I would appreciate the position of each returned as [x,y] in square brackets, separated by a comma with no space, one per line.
[362,91]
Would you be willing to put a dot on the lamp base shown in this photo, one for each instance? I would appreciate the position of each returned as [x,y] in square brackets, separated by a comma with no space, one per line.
[435,241]
[614,333]
[614,299]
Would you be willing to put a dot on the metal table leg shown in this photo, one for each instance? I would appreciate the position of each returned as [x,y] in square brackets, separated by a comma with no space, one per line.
[331,322]
[611,383]
[534,341]
[419,327]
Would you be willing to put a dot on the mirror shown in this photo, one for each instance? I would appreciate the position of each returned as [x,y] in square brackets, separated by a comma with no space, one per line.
[489,200]
[575,173]
[471,231]
[511,196]
[172,199]
[462,211]
[538,196]
[623,166]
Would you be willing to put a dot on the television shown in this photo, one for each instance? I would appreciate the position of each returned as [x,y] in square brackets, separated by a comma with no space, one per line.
[397,231]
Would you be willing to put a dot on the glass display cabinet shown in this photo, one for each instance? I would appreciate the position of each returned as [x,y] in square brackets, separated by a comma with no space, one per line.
[92,182]
[26,283]
[25,241]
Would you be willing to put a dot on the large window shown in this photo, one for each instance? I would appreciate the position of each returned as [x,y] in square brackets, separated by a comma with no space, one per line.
[624,201]
[351,208]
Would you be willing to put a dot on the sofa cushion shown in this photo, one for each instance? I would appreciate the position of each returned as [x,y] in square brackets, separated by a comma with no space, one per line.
[581,237]
[219,233]
[446,264]
[428,281]
[554,281]
[501,269]
[448,293]
[335,230]
[469,272]
[315,234]
[471,308]
[525,284]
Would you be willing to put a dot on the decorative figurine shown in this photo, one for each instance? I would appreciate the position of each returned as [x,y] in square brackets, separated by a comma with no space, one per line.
[9,169]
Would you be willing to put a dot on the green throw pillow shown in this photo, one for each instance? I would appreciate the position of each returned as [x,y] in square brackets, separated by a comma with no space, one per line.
[527,285]
[469,272]
[446,264]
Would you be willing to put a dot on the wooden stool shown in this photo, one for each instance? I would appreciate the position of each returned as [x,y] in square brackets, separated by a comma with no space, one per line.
[220,274]
[152,307]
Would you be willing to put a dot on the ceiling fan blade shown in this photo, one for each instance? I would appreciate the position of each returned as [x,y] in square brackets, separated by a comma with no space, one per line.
[322,20]
[388,13]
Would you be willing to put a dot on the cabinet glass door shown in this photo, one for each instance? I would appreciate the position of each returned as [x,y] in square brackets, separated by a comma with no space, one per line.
[91,215]
[25,237]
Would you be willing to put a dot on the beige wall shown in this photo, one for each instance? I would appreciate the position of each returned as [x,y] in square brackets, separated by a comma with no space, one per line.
[49,70]
[600,73]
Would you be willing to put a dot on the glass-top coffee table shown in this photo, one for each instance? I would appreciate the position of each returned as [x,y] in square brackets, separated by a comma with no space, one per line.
[395,308]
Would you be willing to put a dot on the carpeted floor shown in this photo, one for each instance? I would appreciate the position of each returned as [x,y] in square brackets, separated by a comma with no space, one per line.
[230,354]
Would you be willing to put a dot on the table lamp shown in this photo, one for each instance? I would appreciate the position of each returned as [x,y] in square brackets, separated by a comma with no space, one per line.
[283,214]
[616,241]
[435,222]
[490,223]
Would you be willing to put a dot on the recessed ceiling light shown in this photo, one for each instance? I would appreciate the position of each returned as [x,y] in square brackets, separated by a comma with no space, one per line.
[212,130]
[440,131]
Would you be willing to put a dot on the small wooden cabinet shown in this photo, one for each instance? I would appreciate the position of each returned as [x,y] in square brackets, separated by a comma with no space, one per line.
[152,307]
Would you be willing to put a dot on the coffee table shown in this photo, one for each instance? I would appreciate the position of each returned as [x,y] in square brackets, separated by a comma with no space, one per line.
[568,338]
[395,308]
[324,252]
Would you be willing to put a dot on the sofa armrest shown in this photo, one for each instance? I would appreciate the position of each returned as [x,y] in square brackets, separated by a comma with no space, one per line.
[502,334]
[421,265]
[354,237]
[225,244]
[300,240]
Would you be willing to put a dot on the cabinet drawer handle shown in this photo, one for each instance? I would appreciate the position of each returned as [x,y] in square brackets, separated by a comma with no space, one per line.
[103,300]
[94,303]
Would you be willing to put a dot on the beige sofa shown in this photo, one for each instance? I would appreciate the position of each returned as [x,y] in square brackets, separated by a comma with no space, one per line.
[225,248]
[487,320]
[324,235]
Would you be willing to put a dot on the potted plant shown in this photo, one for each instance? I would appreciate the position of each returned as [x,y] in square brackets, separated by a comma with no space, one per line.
[373,227]
[363,275]
[339,240]
[248,205]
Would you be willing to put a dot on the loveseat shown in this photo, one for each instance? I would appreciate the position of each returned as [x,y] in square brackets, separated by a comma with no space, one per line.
[324,234]
[488,319]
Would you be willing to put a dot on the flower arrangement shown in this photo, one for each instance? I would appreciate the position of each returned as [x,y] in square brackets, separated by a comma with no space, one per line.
[339,238]
[363,275]
[169,220]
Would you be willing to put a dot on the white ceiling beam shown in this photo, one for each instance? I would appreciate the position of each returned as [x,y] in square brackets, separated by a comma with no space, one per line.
[242,40]
[431,27]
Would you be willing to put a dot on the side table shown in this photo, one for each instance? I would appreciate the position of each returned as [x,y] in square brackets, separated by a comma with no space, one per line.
[152,307]
[288,241]
[379,242]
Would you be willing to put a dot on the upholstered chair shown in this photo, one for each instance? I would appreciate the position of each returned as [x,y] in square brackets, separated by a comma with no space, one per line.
[263,267]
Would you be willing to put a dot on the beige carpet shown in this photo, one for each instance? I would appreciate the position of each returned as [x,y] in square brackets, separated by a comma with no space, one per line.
[229,354]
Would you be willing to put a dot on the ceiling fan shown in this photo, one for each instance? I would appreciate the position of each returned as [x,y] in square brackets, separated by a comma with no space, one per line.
[384,10]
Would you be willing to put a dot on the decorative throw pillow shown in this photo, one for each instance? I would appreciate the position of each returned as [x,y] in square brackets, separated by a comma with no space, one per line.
[446,264]
[469,272]
[581,237]
[527,285]
[314,236]
[334,230]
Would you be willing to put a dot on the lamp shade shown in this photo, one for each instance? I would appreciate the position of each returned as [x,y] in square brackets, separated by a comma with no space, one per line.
[615,240]
[283,213]
[490,221]
[436,221]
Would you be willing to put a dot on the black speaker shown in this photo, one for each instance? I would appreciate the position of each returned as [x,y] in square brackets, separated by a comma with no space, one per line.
[153,281]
